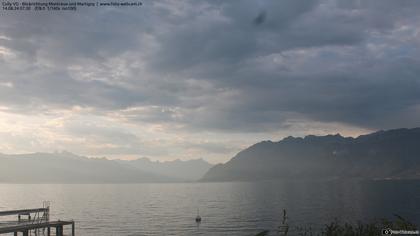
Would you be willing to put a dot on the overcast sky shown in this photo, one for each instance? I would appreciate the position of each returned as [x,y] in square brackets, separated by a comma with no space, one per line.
[204,79]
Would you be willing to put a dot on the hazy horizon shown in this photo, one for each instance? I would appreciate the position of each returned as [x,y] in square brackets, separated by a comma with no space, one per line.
[151,159]
[101,157]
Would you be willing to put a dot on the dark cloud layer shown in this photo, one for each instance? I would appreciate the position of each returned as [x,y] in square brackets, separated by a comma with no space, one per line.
[220,65]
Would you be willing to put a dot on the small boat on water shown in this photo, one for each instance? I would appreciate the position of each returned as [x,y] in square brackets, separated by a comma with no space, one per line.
[198,217]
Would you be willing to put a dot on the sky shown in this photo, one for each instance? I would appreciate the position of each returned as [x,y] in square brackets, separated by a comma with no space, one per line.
[195,79]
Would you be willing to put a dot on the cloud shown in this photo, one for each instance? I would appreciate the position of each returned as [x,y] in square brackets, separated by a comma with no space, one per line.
[176,70]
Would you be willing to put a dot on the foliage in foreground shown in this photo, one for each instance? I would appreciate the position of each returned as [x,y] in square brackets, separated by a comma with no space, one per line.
[336,228]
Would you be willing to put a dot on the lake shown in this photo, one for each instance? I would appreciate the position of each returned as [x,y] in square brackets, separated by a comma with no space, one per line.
[241,208]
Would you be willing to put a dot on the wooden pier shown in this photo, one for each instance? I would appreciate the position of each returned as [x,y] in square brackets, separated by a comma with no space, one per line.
[34,220]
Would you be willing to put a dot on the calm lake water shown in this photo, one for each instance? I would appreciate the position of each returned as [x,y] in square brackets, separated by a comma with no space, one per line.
[226,208]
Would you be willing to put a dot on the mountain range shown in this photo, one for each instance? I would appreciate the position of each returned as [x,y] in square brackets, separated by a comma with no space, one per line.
[392,154]
[66,167]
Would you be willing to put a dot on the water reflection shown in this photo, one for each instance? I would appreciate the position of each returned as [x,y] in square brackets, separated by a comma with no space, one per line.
[225,208]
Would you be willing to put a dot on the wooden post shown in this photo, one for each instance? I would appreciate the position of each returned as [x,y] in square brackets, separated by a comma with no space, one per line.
[25,233]
[59,230]
[15,233]
[48,231]
[72,229]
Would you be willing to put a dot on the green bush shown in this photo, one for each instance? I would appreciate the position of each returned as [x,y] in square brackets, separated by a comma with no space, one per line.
[337,228]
